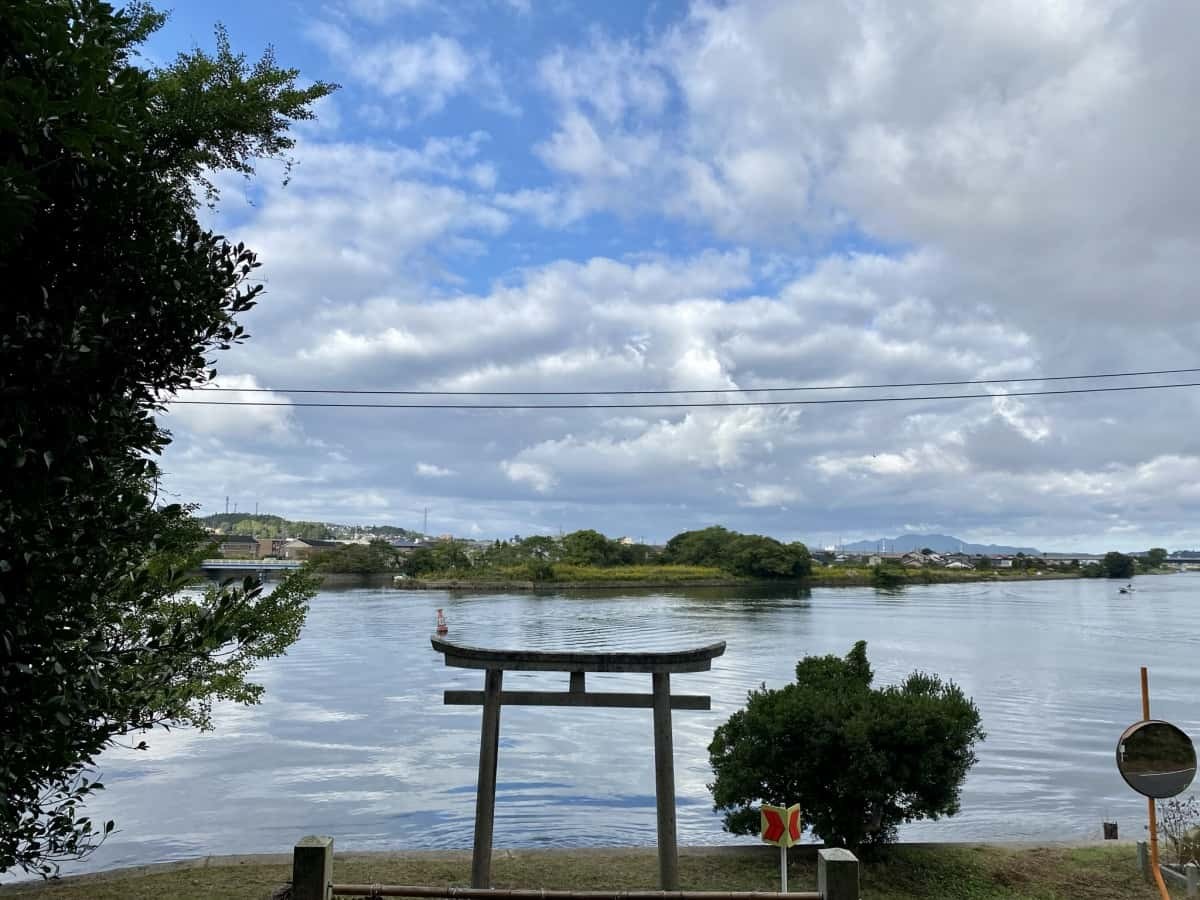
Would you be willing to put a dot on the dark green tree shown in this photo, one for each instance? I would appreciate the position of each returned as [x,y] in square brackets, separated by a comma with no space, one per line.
[757,556]
[859,760]
[114,298]
[752,555]
[705,547]
[1155,558]
[1117,565]
[589,548]
[443,556]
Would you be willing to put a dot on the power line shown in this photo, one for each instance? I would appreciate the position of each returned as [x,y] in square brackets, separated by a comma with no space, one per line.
[758,390]
[699,405]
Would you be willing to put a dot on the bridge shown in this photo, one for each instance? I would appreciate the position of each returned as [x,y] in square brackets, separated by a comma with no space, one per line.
[219,567]
[1188,559]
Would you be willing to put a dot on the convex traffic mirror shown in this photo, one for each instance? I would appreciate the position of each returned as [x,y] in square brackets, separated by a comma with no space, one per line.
[1156,759]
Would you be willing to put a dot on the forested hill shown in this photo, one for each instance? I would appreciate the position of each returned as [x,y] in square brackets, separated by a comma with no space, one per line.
[264,525]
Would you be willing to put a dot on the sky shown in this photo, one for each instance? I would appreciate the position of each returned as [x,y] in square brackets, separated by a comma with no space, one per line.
[513,195]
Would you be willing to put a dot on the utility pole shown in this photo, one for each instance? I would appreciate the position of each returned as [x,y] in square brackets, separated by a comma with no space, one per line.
[425,523]
[256,509]
[226,504]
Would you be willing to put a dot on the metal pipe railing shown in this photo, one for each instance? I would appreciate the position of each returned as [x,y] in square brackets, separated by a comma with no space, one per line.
[463,893]
[312,879]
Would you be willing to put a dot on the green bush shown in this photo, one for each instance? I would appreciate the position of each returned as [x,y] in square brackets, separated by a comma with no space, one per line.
[540,570]
[356,559]
[1117,565]
[887,576]
[750,555]
[859,760]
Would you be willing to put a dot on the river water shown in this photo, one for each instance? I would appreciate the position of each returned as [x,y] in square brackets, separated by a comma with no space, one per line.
[352,738]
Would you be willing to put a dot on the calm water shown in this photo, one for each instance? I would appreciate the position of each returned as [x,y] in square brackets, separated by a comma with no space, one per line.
[353,740]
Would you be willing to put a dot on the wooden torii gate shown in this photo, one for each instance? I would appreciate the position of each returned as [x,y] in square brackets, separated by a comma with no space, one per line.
[658,665]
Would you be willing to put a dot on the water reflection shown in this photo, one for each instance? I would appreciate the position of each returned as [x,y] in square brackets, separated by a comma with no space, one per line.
[353,740]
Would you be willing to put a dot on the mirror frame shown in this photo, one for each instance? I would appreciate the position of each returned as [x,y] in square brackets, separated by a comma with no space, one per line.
[1134,729]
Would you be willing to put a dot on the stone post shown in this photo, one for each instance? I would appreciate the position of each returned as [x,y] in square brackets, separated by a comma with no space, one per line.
[1192,872]
[1143,856]
[312,868]
[837,874]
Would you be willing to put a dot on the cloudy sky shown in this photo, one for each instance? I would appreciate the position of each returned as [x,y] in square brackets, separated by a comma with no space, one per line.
[522,195]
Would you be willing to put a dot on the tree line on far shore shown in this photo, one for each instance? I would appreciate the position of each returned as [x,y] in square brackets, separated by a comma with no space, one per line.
[534,558]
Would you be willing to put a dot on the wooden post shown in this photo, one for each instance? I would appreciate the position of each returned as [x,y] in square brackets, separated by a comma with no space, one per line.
[1143,856]
[312,868]
[664,783]
[485,798]
[837,874]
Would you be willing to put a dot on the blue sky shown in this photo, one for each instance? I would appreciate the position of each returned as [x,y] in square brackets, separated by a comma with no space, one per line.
[557,196]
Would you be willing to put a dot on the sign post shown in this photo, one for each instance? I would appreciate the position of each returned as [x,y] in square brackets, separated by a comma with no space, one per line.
[780,825]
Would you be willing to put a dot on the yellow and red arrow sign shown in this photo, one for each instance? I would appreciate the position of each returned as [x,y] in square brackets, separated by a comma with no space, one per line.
[780,825]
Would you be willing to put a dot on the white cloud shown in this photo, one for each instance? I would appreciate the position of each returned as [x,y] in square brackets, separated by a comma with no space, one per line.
[381,10]
[1012,137]
[763,495]
[425,73]
[357,219]
[275,423]
[538,477]
[429,470]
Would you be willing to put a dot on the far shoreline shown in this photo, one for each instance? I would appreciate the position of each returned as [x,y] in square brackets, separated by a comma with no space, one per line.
[849,580]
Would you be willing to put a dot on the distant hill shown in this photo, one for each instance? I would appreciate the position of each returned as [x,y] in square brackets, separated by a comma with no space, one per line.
[941,543]
[264,525]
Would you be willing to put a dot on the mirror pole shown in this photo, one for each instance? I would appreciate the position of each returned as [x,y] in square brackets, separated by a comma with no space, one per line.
[1153,814]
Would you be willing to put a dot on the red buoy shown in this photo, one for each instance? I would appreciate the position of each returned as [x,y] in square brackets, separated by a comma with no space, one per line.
[442,627]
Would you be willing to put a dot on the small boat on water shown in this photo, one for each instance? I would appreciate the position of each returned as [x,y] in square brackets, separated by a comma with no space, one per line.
[1128,589]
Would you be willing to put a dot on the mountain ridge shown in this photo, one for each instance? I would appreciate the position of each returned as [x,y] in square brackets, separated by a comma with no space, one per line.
[940,543]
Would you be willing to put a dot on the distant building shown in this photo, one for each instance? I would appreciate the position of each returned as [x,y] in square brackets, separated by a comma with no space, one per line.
[875,560]
[303,548]
[236,546]
[959,564]
[273,548]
